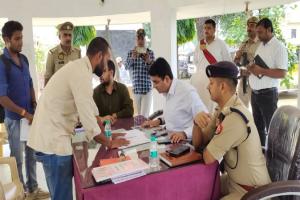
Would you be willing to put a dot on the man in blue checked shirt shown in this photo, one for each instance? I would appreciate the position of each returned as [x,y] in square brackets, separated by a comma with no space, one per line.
[138,62]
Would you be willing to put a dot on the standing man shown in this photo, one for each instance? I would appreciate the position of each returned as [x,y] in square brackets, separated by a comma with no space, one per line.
[210,50]
[68,95]
[243,57]
[139,61]
[17,96]
[230,133]
[62,53]
[265,75]
[182,102]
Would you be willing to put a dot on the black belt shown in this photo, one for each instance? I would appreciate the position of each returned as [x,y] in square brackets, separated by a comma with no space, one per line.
[264,90]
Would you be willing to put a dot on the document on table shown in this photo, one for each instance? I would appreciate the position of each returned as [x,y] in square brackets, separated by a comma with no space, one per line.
[135,137]
[24,130]
[121,171]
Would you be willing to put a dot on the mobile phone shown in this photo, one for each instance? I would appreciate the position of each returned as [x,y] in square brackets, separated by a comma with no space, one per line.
[179,151]
[164,141]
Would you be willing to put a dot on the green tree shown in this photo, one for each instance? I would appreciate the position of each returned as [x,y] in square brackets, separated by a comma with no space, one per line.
[39,51]
[82,35]
[147,28]
[186,31]
[232,28]
[1,44]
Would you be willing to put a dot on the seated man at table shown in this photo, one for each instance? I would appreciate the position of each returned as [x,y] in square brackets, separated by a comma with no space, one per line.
[182,102]
[111,97]
[230,133]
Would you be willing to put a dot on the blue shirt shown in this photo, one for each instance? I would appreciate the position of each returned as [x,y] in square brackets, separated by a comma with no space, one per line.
[140,73]
[17,85]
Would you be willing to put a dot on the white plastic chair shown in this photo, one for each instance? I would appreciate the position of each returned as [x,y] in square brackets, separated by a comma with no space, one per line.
[11,187]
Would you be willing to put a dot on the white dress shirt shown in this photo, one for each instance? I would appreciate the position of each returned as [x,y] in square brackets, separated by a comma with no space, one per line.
[68,94]
[182,105]
[274,54]
[199,80]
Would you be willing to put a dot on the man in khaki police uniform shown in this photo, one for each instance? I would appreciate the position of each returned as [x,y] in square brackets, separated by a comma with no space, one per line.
[230,133]
[62,53]
[244,56]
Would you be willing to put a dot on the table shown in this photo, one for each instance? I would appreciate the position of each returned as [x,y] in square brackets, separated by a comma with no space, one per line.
[195,181]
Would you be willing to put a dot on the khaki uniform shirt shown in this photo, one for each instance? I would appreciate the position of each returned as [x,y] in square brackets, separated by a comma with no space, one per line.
[68,94]
[58,58]
[250,162]
[250,47]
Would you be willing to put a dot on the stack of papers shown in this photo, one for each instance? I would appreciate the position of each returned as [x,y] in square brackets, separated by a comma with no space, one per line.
[120,172]
[135,137]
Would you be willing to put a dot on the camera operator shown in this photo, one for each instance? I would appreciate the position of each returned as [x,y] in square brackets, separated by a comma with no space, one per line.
[138,63]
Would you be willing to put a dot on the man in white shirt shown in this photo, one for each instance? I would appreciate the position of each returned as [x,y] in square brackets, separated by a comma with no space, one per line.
[182,102]
[209,51]
[67,96]
[265,81]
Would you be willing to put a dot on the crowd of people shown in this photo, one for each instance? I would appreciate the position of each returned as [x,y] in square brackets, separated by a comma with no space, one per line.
[212,111]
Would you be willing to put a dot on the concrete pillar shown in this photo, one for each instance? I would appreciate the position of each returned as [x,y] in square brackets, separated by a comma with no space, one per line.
[163,40]
[28,44]
[298,102]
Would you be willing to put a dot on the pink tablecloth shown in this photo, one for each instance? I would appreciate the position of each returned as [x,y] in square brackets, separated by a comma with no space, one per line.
[197,181]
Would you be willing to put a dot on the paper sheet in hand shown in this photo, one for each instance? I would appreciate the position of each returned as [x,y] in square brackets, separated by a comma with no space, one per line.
[79,135]
[135,138]
[24,129]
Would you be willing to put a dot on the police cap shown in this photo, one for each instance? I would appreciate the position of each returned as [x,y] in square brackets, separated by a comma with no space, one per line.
[67,26]
[252,20]
[223,69]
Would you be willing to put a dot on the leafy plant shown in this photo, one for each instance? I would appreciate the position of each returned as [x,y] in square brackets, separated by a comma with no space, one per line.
[1,44]
[233,28]
[39,51]
[82,35]
[186,31]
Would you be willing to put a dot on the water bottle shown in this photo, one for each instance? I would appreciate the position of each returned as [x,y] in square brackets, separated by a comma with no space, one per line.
[153,158]
[107,130]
